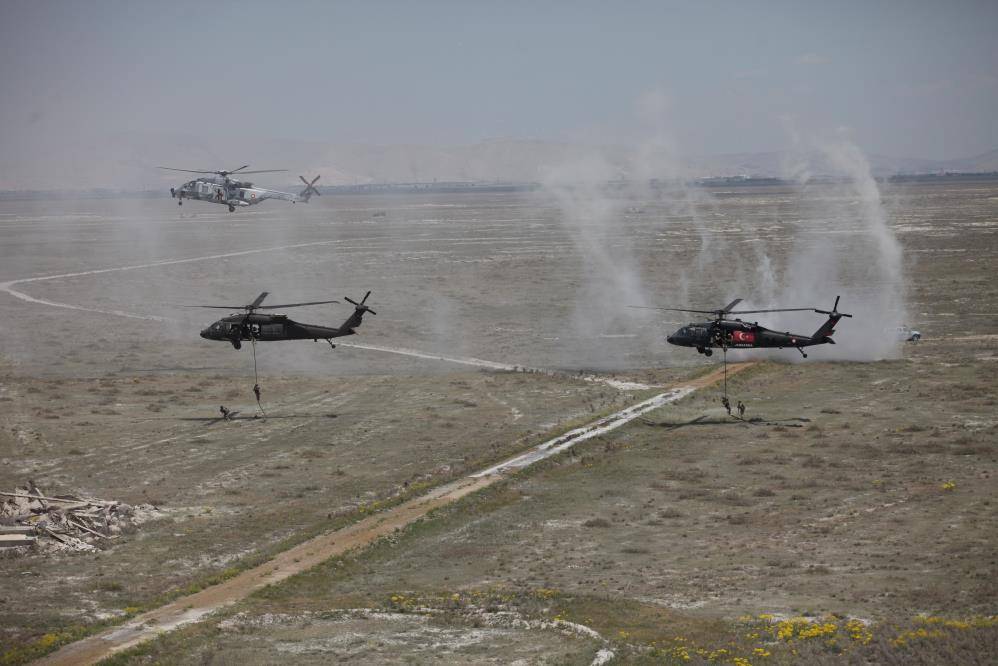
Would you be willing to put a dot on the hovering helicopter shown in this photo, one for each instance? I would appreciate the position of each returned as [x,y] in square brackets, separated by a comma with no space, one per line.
[228,192]
[737,334]
[267,327]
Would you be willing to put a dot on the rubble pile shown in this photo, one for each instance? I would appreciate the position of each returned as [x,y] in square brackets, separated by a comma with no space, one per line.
[29,517]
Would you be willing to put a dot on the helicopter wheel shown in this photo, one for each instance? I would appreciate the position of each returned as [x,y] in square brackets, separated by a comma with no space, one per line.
[708,352]
[232,209]
[180,203]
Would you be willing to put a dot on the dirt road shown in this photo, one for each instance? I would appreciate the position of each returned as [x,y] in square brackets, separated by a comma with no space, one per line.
[319,549]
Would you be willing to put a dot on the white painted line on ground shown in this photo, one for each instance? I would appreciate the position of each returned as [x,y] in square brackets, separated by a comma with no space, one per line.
[9,285]
[478,362]
[482,363]
[573,437]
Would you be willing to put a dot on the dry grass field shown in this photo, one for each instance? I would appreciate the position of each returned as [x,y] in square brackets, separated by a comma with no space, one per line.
[856,497]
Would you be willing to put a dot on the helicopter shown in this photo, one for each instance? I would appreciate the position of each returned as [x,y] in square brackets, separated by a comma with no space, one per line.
[253,327]
[229,192]
[737,334]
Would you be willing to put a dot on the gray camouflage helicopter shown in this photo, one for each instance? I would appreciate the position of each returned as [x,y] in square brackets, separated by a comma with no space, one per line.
[220,189]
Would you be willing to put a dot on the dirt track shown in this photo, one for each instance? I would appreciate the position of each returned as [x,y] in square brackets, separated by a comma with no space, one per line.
[319,549]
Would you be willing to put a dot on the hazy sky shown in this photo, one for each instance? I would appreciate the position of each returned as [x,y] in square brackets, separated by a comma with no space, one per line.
[907,78]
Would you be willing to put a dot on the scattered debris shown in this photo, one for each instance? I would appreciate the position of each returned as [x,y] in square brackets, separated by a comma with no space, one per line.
[29,517]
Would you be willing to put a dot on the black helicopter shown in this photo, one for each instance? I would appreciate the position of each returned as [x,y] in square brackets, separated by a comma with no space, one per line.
[737,334]
[267,327]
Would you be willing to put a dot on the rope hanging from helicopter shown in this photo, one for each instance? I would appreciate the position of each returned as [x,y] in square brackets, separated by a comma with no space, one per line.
[724,361]
[256,377]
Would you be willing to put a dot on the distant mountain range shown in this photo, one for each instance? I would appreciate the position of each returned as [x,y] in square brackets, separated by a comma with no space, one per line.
[774,164]
[128,161]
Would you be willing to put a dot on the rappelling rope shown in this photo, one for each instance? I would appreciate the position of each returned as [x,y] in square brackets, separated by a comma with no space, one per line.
[724,362]
[256,378]
[724,356]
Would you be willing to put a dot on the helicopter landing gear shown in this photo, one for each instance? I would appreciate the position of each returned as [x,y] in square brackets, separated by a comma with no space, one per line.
[708,352]
[331,345]
[232,209]
[180,203]
[236,344]
[801,352]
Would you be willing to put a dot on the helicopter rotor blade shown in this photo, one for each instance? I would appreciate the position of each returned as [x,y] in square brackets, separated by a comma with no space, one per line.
[185,170]
[243,173]
[835,310]
[309,187]
[732,304]
[772,310]
[649,307]
[360,306]
[259,299]
[293,305]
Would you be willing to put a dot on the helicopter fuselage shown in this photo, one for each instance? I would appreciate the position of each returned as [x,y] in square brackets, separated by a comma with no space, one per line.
[228,192]
[738,334]
[257,327]
[268,328]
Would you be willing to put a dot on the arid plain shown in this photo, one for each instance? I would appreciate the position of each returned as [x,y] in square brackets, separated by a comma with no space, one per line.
[860,500]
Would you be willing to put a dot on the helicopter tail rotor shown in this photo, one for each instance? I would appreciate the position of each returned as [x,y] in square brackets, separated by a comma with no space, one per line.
[834,312]
[355,319]
[309,190]
[824,334]
[360,307]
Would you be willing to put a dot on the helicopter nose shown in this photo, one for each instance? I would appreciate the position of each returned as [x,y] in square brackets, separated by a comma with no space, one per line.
[204,334]
[670,339]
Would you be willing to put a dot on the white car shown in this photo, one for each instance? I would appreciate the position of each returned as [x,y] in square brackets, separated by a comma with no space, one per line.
[907,334]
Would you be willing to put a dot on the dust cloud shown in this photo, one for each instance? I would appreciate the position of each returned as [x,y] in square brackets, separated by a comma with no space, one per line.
[844,247]
[831,237]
